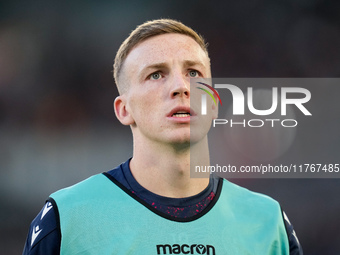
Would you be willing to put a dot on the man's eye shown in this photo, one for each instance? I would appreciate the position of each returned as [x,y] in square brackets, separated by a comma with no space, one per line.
[193,73]
[155,76]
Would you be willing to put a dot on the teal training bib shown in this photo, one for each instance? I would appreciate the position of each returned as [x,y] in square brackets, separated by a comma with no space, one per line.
[98,217]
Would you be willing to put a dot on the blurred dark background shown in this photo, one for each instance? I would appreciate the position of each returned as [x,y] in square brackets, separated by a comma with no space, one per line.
[57,124]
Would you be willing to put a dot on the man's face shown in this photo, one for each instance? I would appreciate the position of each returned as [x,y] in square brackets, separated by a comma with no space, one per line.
[157,72]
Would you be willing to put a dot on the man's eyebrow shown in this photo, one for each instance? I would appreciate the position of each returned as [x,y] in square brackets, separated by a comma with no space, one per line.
[152,66]
[189,63]
[162,65]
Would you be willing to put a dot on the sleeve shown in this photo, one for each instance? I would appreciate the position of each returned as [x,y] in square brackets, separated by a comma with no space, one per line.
[44,236]
[294,244]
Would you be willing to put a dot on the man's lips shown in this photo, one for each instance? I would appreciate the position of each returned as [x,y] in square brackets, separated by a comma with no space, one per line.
[181,112]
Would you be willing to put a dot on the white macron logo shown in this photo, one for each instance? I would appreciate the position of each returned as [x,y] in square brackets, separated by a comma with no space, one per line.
[36,231]
[47,208]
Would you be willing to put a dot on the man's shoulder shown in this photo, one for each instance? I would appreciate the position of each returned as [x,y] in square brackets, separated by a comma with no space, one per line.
[90,186]
[244,192]
[245,198]
[84,186]
[95,190]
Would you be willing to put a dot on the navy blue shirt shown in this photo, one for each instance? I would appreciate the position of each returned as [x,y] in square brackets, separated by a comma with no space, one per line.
[44,236]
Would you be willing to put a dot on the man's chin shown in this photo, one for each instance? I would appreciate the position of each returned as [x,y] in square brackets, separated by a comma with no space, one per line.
[183,141]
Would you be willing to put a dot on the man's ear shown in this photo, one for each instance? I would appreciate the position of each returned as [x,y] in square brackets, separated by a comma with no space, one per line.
[122,111]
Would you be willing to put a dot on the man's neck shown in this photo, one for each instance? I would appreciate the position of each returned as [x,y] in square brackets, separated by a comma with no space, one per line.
[165,169]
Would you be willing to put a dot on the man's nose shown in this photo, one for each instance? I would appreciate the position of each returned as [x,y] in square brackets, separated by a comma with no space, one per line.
[180,86]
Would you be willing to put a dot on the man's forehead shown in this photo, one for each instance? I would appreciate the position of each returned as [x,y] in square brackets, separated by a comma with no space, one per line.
[160,48]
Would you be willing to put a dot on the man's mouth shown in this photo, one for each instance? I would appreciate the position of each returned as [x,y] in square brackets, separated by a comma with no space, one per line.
[181,114]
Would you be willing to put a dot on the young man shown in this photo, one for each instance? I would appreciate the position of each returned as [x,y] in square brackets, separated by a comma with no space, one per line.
[149,204]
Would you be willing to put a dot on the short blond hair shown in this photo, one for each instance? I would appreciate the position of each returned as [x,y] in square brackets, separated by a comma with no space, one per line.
[145,31]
